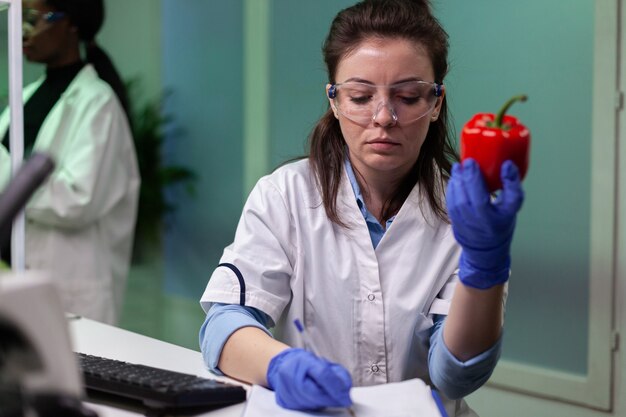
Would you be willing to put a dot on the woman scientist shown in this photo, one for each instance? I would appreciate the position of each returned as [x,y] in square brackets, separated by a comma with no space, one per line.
[79,224]
[356,241]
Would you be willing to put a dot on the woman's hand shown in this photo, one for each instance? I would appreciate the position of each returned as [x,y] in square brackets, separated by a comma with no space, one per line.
[482,226]
[303,381]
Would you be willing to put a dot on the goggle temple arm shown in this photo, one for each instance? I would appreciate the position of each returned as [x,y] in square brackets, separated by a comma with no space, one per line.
[332,91]
[438,90]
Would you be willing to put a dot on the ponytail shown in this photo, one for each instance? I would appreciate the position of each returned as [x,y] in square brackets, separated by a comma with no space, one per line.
[107,72]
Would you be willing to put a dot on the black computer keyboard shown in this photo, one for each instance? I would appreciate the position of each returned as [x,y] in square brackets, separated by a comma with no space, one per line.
[156,388]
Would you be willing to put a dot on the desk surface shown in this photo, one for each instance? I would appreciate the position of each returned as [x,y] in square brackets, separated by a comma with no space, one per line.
[99,339]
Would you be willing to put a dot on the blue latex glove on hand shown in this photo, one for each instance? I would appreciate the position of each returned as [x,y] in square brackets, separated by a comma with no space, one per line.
[484,228]
[303,381]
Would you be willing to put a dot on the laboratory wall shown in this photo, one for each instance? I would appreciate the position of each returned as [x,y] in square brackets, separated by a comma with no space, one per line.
[202,59]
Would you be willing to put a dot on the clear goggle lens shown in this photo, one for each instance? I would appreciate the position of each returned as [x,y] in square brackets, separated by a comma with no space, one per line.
[30,18]
[406,102]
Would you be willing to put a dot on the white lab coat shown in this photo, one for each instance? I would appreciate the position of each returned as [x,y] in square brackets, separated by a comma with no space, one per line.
[80,223]
[370,310]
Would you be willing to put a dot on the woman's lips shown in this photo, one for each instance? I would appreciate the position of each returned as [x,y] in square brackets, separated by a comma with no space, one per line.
[382,144]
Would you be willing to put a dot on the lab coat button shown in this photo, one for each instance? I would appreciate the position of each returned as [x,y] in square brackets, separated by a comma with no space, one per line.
[371,297]
[375,368]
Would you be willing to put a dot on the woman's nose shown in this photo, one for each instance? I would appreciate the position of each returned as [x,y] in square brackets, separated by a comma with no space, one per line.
[27,30]
[385,115]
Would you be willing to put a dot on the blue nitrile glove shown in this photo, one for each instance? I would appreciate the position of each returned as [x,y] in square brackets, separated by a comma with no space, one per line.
[483,228]
[303,381]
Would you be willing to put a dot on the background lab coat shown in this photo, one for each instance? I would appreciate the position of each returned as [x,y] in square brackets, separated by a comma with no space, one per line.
[80,223]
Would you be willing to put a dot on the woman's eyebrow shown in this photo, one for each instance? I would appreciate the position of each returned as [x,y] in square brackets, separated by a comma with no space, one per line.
[364,81]
[406,80]
[357,80]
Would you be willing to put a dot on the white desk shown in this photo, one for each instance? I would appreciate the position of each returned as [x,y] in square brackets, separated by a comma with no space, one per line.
[99,339]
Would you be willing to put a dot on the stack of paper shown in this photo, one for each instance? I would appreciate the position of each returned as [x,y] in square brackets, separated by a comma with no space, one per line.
[412,398]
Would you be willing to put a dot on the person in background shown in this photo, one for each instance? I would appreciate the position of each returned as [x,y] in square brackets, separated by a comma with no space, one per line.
[79,224]
[393,255]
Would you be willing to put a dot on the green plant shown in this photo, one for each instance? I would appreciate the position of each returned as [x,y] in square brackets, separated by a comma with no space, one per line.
[148,123]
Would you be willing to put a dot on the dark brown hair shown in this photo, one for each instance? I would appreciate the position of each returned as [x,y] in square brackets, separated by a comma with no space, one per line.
[404,19]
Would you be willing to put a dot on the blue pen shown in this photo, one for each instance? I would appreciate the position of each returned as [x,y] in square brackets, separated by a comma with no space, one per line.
[308,345]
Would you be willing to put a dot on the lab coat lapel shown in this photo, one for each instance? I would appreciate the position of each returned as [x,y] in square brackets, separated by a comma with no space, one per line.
[350,213]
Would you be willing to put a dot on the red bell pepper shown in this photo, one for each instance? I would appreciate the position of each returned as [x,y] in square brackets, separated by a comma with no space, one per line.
[492,139]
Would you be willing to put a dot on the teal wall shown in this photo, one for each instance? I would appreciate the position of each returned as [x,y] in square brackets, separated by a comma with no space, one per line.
[544,49]
[202,68]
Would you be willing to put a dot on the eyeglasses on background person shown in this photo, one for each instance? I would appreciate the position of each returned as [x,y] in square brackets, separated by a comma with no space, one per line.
[406,102]
[30,18]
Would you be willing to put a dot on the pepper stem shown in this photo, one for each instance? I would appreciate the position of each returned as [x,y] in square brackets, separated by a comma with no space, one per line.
[505,108]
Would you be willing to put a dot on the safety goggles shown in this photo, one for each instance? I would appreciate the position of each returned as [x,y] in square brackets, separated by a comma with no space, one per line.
[30,18]
[405,102]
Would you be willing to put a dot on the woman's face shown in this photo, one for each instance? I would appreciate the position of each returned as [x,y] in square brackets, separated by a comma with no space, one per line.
[47,39]
[383,147]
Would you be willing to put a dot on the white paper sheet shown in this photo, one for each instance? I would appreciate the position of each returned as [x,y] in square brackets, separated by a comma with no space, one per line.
[410,398]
